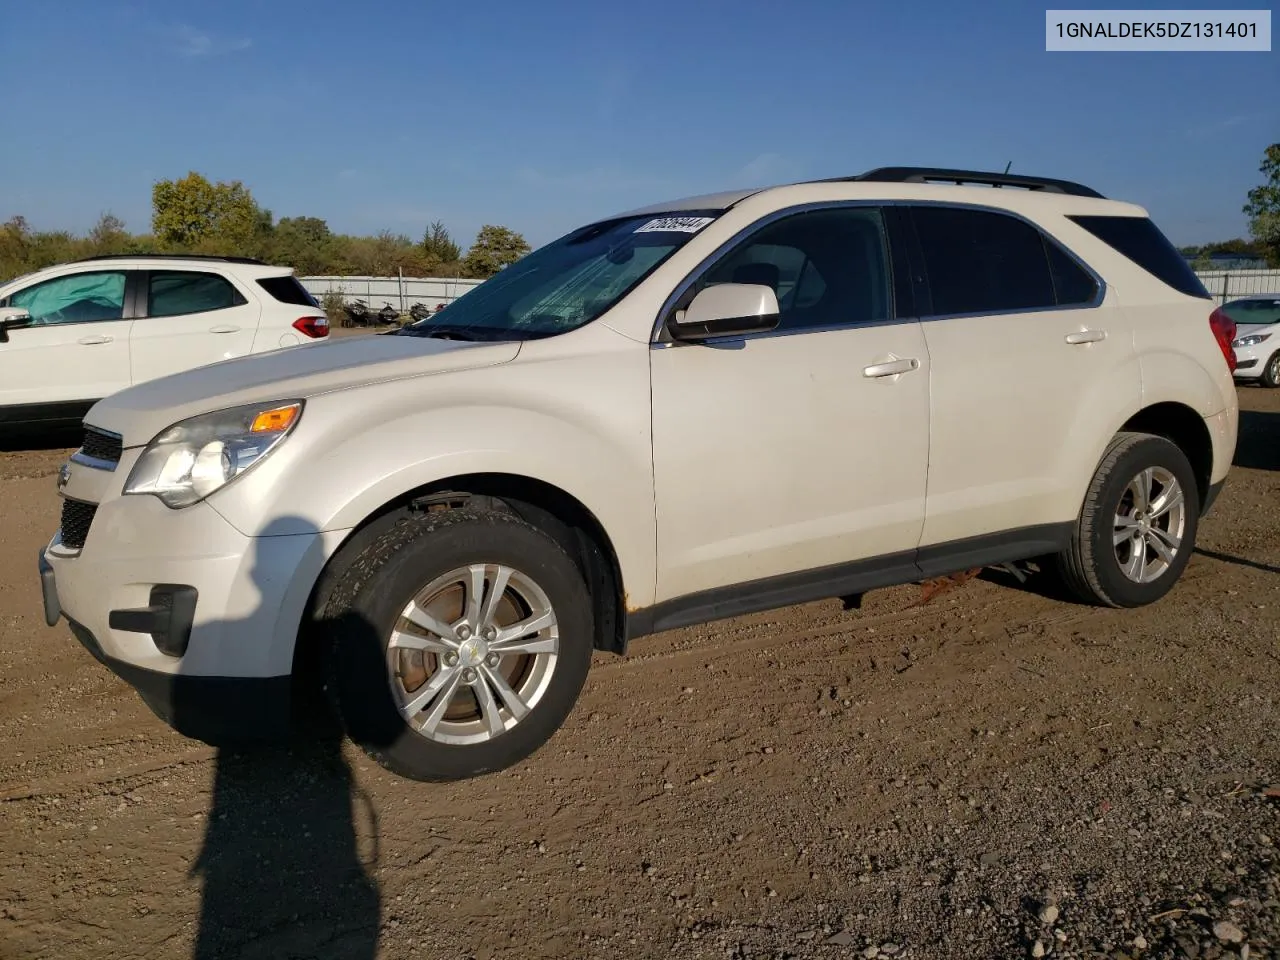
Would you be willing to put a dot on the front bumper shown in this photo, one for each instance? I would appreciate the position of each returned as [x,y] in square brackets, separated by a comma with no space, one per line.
[1251,361]
[200,619]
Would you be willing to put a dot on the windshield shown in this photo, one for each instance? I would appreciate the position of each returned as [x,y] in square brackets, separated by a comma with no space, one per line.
[567,283]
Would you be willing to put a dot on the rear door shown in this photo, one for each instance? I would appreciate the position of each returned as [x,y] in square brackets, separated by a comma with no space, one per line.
[1028,373]
[75,351]
[189,318]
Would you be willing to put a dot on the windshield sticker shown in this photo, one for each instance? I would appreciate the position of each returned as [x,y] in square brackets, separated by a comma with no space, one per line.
[675,225]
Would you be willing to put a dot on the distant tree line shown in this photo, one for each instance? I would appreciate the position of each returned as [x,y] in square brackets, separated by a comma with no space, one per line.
[1244,249]
[193,215]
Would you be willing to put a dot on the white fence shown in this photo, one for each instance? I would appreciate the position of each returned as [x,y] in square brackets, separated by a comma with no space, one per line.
[403,292]
[1228,284]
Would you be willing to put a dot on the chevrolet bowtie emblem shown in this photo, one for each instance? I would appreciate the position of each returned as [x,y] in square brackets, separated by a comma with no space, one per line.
[64,475]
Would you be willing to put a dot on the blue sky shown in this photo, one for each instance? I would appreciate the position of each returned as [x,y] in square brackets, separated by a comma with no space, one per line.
[542,115]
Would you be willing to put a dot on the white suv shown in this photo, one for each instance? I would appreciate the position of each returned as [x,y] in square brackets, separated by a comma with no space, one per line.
[77,332]
[699,409]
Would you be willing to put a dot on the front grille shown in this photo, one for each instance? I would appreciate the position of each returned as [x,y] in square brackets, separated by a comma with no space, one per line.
[102,445]
[76,519]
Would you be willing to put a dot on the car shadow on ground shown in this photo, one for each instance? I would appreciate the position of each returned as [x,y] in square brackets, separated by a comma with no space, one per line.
[1258,442]
[291,839]
[24,439]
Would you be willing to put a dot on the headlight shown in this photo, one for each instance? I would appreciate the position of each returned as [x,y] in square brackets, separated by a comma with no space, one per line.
[1250,340]
[192,459]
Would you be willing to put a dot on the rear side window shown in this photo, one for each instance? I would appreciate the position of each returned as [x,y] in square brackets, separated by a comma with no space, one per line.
[978,261]
[172,293]
[287,289]
[1142,242]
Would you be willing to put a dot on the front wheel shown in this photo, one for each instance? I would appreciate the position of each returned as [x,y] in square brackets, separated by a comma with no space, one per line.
[1137,527]
[1271,371]
[461,641]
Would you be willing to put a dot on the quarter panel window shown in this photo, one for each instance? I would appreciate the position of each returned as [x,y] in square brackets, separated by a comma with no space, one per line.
[828,267]
[978,261]
[1072,284]
[1142,242]
[172,293]
[78,298]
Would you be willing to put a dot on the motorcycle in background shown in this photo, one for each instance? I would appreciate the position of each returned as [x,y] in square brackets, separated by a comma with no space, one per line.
[360,315]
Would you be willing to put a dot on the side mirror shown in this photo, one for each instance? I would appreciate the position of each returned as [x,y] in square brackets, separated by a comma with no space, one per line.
[12,318]
[726,310]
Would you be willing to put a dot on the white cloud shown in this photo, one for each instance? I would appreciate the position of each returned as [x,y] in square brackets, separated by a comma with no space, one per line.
[764,168]
[188,41]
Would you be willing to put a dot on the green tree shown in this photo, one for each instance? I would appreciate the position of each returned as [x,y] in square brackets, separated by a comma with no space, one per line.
[1263,208]
[304,243]
[495,248]
[195,215]
[438,245]
[108,236]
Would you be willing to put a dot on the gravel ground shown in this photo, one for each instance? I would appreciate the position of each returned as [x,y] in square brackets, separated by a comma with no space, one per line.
[995,773]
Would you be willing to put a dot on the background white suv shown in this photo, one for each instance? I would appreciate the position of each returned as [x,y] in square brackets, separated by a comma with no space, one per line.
[78,332]
[704,408]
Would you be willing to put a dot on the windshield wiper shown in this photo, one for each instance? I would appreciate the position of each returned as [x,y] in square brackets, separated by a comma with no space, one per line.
[441,330]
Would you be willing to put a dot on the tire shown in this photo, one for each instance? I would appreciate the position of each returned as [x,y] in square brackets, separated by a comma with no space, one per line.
[475,725]
[1093,566]
[1271,371]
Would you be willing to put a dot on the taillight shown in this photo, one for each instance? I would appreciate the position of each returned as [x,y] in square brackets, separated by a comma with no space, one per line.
[1224,331]
[313,327]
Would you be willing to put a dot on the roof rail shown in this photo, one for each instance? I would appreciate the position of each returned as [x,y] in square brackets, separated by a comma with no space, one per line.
[942,174]
[171,256]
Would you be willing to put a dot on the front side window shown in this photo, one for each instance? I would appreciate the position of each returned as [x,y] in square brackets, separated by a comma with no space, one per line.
[78,298]
[829,268]
[171,293]
[978,261]
[567,283]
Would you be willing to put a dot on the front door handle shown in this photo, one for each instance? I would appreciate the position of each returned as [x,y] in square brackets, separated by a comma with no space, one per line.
[1086,336]
[225,328]
[93,341]
[891,368]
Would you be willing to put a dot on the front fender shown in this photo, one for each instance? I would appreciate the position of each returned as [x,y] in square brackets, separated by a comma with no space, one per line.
[344,463]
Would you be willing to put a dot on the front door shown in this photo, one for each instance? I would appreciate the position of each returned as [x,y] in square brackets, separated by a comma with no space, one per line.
[75,352]
[803,448]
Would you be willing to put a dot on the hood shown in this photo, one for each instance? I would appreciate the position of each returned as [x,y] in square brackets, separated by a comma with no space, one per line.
[1244,329]
[139,412]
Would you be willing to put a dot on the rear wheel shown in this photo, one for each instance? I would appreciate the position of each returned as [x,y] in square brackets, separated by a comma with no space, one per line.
[1137,528]
[461,642]
[1271,371]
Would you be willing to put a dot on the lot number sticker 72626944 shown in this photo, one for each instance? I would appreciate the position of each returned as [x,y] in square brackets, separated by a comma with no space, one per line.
[675,224]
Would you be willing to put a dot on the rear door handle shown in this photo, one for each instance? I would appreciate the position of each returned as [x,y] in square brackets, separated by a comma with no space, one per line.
[225,328]
[92,341]
[1087,336]
[891,368]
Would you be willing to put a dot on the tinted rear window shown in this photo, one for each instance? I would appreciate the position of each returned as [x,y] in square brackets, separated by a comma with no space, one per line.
[1142,242]
[287,289]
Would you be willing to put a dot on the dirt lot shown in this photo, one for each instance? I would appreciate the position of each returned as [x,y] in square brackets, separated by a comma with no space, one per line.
[996,773]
